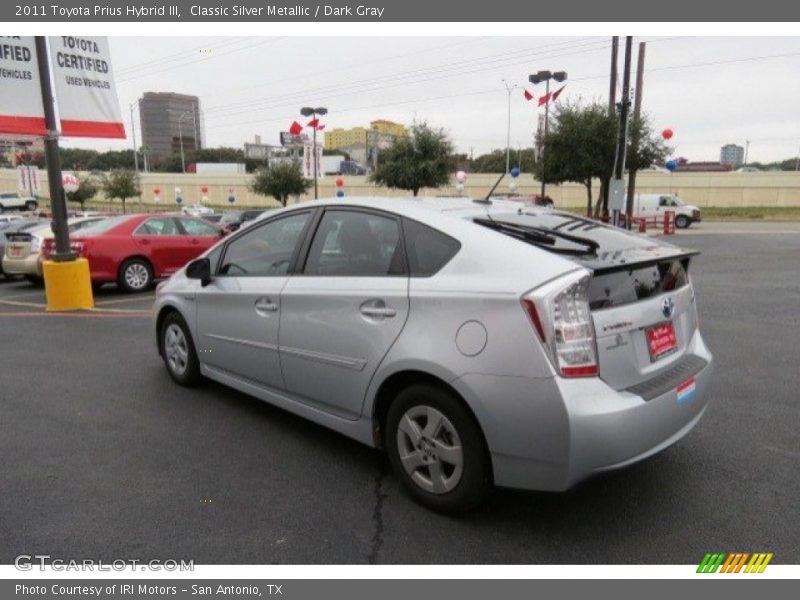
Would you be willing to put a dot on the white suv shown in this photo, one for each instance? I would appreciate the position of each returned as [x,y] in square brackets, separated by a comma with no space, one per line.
[15,201]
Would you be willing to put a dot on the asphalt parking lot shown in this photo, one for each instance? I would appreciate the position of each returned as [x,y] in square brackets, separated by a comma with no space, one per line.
[104,457]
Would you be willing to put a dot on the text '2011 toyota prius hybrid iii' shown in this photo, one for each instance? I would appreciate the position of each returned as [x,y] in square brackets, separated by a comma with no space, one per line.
[476,342]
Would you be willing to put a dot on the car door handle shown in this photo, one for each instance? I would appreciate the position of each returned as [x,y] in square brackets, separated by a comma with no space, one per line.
[378,311]
[265,305]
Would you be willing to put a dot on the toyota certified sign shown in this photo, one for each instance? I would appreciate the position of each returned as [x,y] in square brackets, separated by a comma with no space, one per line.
[83,85]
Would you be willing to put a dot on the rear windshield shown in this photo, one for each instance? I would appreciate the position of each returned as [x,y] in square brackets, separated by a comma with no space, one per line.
[631,285]
[104,225]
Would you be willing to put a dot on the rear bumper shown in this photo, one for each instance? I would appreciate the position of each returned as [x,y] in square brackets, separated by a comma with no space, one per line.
[22,266]
[550,434]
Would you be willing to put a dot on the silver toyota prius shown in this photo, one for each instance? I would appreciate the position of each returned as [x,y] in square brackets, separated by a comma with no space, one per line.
[476,342]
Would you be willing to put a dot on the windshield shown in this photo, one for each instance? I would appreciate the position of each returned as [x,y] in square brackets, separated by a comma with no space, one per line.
[230,217]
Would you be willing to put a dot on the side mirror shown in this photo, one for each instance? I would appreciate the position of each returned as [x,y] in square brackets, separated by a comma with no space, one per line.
[200,269]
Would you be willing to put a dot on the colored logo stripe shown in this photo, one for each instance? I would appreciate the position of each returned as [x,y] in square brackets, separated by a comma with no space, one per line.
[735,562]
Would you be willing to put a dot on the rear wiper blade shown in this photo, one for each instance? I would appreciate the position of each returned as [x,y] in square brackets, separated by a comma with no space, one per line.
[591,245]
[516,231]
[543,237]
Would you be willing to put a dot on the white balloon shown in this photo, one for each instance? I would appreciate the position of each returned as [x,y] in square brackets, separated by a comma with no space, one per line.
[512,185]
[461,177]
[460,186]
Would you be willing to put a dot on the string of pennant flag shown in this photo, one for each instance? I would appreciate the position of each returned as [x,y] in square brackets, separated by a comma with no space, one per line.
[550,97]
[296,129]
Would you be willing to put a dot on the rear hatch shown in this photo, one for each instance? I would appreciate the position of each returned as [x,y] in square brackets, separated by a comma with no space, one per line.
[640,295]
[18,245]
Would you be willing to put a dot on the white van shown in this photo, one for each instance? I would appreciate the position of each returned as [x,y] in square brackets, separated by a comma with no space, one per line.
[649,206]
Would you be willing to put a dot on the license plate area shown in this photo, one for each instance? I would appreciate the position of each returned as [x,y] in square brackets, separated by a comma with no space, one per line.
[661,340]
[15,251]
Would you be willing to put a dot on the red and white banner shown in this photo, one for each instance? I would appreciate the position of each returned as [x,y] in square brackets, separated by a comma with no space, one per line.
[308,161]
[21,109]
[83,82]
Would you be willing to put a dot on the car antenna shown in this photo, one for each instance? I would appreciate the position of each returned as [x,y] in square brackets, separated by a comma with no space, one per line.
[491,191]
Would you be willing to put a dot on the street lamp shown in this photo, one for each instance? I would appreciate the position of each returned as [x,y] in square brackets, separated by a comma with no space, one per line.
[307,111]
[509,89]
[182,115]
[536,78]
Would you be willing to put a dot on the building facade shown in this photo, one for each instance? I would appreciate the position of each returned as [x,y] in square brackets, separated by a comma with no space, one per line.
[732,154]
[166,119]
[380,134]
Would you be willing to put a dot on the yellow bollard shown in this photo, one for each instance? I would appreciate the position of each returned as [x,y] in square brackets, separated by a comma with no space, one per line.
[68,285]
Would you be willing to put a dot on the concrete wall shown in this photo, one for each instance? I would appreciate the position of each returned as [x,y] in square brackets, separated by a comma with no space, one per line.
[702,189]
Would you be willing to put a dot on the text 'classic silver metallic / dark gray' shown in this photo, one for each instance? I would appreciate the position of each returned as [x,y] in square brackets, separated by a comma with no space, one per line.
[478,343]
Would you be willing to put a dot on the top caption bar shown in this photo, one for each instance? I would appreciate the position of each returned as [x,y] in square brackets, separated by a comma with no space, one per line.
[463,11]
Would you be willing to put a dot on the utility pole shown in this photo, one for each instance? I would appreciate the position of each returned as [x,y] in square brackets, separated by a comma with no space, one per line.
[797,164]
[619,163]
[746,151]
[58,204]
[612,105]
[636,137]
[133,135]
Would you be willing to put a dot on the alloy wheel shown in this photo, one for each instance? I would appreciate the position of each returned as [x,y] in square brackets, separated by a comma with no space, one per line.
[176,349]
[430,449]
[137,276]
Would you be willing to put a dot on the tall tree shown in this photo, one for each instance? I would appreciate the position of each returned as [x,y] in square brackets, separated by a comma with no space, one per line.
[581,146]
[280,180]
[122,184]
[420,160]
[87,189]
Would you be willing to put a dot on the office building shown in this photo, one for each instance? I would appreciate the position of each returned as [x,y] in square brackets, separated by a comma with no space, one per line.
[732,154]
[166,119]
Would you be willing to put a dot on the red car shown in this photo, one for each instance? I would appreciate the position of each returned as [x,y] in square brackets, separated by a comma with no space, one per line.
[135,250]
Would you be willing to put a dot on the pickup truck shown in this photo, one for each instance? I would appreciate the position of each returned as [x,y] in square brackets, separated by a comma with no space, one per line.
[15,201]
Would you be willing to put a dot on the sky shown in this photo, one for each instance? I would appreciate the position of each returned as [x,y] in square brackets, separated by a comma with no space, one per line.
[709,91]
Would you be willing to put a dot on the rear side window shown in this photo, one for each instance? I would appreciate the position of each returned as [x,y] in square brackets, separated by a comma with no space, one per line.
[197,227]
[159,226]
[351,243]
[428,249]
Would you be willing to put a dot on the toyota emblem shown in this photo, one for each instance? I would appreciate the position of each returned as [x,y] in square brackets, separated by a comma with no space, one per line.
[668,307]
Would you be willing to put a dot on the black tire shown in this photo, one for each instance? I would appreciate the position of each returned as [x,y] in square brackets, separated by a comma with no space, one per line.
[475,481]
[190,375]
[35,280]
[682,221]
[31,205]
[142,282]
[2,209]
[96,286]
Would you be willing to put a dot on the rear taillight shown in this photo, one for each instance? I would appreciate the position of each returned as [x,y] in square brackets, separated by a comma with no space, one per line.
[560,315]
[79,247]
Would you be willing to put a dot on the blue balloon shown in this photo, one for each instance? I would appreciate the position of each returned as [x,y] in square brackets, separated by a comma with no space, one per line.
[178,199]
[671,165]
[515,172]
[340,193]
[231,198]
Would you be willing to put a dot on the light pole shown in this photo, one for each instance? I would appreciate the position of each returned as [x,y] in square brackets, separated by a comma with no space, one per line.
[536,78]
[307,111]
[133,135]
[509,89]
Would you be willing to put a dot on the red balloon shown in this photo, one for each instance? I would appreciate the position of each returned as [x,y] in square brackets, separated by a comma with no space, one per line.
[156,191]
[204,189]
[339,182]
[667,133]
